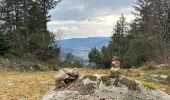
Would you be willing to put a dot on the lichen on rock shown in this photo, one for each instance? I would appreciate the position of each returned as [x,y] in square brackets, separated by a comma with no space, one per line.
[91,77]
[104,79]
[131,84]
[87,88]
[114,74]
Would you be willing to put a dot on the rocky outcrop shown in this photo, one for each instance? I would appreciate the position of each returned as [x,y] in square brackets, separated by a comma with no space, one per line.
[65,78]
[101,87]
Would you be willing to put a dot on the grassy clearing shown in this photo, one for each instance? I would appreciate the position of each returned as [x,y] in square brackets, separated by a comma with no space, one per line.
[154,77]
[27,86]
[33,85]
[89,71]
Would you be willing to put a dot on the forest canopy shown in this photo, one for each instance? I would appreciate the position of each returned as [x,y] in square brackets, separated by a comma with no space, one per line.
[146,38]
[23,28]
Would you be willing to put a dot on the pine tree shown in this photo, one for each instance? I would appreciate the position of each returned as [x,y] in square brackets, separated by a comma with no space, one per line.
[25,22]
[118,44]
[4,44]
[95,56]
[152,16]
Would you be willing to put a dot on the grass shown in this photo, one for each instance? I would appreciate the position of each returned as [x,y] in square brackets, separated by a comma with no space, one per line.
[148,85]
[147,77]
[90,71]
[27,86]
[91,77]
[33,85]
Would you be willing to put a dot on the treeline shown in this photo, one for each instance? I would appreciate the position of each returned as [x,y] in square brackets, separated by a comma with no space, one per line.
[71,61]
[145,39]
[23,29]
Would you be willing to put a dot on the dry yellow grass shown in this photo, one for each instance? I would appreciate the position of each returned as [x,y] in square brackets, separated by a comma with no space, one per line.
[26,86]
[90,71]
[31,85]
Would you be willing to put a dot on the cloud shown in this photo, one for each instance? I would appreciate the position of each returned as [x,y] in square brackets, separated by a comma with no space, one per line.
[99,26]
[88,18]
[83,9]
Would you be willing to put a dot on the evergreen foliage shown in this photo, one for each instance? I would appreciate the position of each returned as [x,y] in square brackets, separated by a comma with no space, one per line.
[95,56]
[146,38]
[4,44]
[25,22]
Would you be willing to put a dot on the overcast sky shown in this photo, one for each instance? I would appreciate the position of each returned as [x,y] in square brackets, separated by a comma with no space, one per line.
[88,18]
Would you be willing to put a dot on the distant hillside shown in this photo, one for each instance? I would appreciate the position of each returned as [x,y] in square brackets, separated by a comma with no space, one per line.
[80,47]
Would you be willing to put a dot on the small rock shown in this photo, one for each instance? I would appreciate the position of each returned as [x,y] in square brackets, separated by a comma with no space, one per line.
[154,75]
[163,76]
[61,76]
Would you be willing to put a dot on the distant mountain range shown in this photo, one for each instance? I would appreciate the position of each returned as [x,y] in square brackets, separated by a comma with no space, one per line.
[80,47]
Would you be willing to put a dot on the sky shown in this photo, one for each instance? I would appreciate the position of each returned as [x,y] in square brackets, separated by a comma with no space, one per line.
[88,18]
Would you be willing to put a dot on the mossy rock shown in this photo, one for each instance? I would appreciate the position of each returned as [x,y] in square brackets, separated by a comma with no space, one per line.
[148,85]
[104,79]
[114,74]
[131,84]
[91,77]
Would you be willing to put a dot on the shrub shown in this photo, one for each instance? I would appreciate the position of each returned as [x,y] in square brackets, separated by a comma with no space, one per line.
[140,50]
